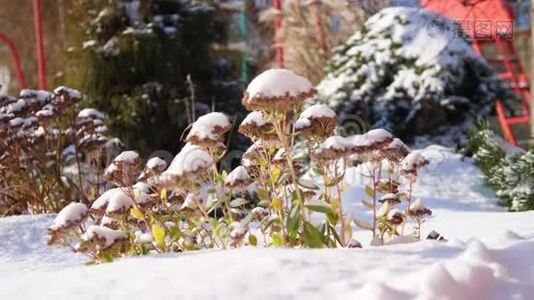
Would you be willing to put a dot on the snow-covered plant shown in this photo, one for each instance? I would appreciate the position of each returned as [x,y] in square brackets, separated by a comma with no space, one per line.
[507,169]
[410,71]
[192,205]
[50,151]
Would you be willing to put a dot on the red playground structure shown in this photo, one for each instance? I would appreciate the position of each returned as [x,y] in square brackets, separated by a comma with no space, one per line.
[490,24]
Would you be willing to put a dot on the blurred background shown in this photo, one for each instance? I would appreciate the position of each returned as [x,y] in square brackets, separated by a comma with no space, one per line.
[142,61]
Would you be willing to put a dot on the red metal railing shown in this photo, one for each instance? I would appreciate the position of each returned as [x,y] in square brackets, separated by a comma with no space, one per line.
[15,58]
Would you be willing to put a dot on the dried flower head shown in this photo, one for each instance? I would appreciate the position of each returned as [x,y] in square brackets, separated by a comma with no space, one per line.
[417,209]
[396,150]
[277,90]
[413,162]
[238,178]
[127,158]
[209,129]
[154,167]
[395,217]
[192,161]
[376,139]
[317,121]
[103,237]
[70,216]
[333,148]
[391,199]
[255,126]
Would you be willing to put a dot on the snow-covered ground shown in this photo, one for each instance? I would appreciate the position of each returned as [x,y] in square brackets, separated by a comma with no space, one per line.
[488,256]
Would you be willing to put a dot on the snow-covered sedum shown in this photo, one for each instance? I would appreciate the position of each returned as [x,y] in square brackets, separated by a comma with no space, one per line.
[192,205]
[51,150]
[409,71]
[277,90]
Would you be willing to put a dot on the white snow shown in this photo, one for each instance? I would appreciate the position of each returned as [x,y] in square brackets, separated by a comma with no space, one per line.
[206,125]
[40,95]
[156,163]
[109,235]
[487,256]
[318,111]
[238,174]
[126,157]
[278,83]
[413,161]
[91,113]
[377,136]
[73,213]
[313,112]
[336,143]
[102,201]
[190,159]
[71,92]
[254,118]
[119,202]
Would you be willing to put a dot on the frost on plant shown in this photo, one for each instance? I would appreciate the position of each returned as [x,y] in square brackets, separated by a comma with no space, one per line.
[268,200]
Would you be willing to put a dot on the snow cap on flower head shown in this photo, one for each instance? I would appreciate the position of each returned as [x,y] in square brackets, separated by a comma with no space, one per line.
[65,96]
[378,138]
[257,151]
[390,198]
[316,121]
[256,126]
[154,166]
[417,209]
[412,162]
[191,161]
[278,90]
[238,178]
[209,129]
[334,147]
[395,217]
[127,158]
[70,216]
[104,236]
[396,150]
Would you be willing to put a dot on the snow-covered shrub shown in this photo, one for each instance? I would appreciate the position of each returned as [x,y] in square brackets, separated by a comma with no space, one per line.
[192,205]
[507,169]
[409,71]
[133,60]
[50,151]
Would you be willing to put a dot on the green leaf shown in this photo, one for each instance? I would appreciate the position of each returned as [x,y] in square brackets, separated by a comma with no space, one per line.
[275,174]
[292,224]
[263,194]
[277,240]
[136,213]
[252,240]
[312,236]
[107,257]
[320,209]
[158,233]
[163,194]
[369,191]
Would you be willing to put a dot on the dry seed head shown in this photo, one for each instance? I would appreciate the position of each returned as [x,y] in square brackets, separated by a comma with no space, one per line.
[333,148]
[255,126]
[209,129]
[277,90]
[238,178]
[316,121]
[413,162]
